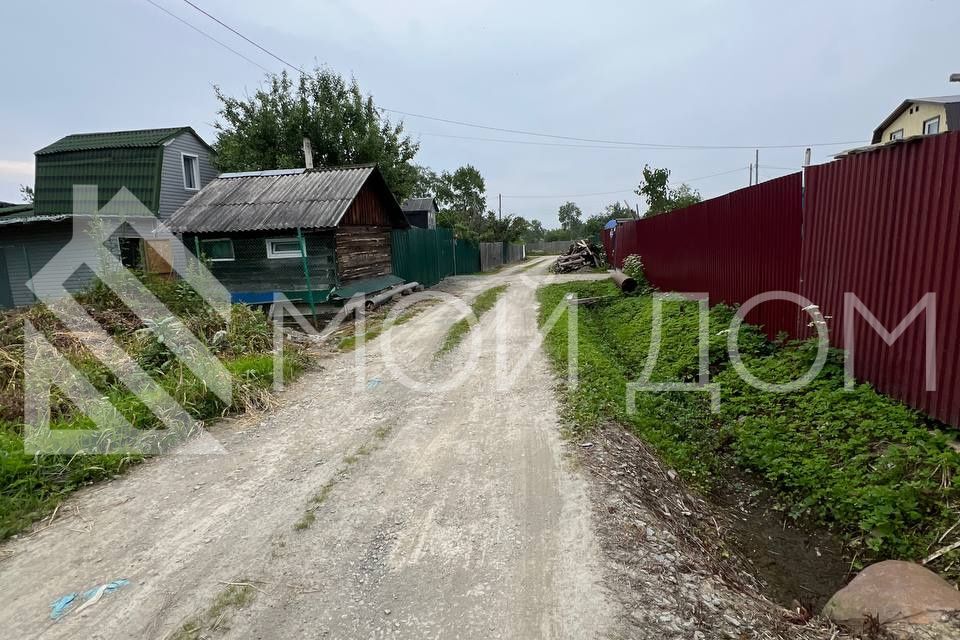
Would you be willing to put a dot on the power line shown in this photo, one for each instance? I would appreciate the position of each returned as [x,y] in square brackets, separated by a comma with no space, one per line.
[610,193]
[530,142]
[208,36]
[258,46]
[474,125]
[644,145]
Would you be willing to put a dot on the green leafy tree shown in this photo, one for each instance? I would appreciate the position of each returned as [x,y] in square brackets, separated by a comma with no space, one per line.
[569,216]
[535,231]
[426,183]
[593,225]
[660,197]
[510,228]
[266,130]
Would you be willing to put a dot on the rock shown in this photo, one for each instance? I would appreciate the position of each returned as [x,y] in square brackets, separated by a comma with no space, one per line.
[893,591]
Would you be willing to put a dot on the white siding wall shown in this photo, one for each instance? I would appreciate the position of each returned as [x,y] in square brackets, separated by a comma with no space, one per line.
[172,192]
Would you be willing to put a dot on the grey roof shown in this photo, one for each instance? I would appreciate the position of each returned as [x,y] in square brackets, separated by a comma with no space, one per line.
[277,200]
[952,104]
[419,204]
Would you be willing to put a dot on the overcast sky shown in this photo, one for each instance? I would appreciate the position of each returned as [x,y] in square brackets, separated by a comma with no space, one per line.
[697,72]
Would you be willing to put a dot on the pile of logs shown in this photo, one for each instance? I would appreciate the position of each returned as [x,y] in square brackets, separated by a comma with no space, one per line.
[581,254]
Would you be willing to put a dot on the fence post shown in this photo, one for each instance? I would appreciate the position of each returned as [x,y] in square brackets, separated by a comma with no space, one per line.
[306,274]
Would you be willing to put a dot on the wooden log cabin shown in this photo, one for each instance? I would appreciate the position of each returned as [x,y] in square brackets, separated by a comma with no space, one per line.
[314,235]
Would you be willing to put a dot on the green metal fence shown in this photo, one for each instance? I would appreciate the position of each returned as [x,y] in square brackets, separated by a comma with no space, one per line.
[428,256]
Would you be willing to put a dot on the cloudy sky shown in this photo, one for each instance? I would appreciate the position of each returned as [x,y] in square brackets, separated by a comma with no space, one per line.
[695,73]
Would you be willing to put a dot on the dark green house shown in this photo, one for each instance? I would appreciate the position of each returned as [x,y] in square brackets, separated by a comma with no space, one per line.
[161,168]
[311,234]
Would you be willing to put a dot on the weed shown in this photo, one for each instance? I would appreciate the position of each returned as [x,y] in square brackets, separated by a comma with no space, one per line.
[481,304]
[379,323]
[235,596]
[876,471]
[305,521]
[32,486]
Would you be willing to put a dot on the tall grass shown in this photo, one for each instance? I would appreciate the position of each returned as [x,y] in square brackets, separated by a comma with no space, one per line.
[32,486]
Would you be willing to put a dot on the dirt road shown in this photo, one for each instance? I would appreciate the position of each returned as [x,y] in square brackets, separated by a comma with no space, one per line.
[357,508]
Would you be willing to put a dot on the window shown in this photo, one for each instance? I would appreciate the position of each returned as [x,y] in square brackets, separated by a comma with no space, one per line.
[217,249]
[283,248]
[897,135]
[191,172]
[931,126]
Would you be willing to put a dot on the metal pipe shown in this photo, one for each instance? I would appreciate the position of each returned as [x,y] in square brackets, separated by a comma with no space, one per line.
[374,302]
[625,282]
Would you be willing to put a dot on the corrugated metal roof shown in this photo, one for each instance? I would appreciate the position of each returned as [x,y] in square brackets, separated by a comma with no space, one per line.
[309,199]
[115,140]
[419,204]
[11,209]
[25,214]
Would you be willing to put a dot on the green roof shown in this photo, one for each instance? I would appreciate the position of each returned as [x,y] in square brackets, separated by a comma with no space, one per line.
[110,169]
[138,139]
[16,208]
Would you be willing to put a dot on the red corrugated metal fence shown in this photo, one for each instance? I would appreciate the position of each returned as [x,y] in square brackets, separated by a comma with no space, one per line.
[731,247]
[883,225]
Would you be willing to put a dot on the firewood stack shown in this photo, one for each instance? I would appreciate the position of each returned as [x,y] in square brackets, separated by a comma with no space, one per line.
[580,255]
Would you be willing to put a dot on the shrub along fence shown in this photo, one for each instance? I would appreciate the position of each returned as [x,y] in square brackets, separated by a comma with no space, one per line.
[430,255]
[883,225]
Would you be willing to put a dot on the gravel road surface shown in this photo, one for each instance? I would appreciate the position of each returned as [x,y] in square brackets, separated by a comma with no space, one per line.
[358,507]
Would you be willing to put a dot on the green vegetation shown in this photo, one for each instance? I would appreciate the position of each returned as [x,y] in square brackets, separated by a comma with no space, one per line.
[481,304]
[309,514]
[236,596]
[861,463]
[32,486]
[266,129]
[660,196]
[379,322]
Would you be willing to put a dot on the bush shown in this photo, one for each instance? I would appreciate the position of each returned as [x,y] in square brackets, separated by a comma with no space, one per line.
[633,267]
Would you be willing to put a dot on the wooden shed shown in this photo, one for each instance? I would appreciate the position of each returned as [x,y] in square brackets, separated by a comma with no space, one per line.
[311,234]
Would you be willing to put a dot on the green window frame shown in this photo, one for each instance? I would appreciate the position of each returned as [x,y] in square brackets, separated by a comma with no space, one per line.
[217,249]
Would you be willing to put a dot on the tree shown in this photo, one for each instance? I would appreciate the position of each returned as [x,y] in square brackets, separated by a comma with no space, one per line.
[425,184]
[569,216]
[507,229]
[26,192]
[463,190]
[535,231]
[593,225]
[266,131]
[660,197]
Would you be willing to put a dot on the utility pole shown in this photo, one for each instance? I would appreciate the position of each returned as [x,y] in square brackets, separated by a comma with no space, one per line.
[757,165]
[500,206]
[750,180]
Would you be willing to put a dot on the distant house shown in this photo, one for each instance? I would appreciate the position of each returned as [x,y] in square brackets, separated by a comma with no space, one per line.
[920,116]
[311,234]
[160,170]
[421,212]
